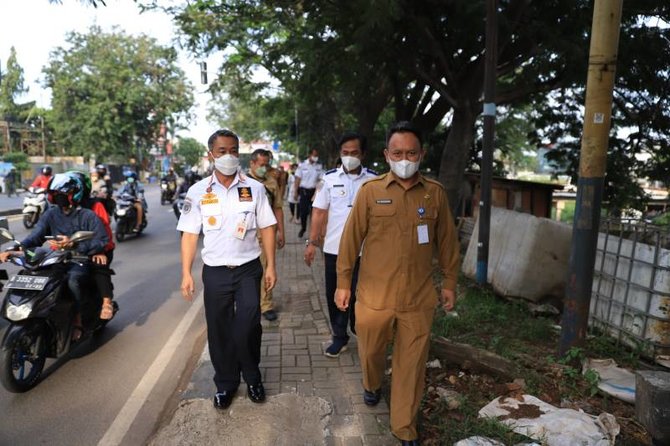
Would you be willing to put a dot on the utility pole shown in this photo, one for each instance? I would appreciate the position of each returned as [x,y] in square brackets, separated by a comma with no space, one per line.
[487,144]
[592,164]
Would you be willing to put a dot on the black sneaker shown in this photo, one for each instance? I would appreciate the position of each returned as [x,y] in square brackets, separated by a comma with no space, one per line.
[223,399]
[334,349]
[270,315]
[372,398]
[256,393]
[301,233]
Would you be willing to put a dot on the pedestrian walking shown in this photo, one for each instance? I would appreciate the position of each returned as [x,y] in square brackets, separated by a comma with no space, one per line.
[307,175]
[230,208]
[11,179]
[258,170]
[292,195]
[402,217]
[330,210]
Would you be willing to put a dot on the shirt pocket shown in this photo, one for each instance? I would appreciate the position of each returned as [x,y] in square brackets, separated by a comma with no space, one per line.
[382,216]
[246,212]
[337,193]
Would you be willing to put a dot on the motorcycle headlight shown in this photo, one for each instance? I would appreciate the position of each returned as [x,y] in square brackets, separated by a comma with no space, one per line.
[164,186]
[19,312]
[120,212]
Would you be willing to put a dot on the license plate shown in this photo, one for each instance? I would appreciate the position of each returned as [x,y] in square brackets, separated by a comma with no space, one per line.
[27,282]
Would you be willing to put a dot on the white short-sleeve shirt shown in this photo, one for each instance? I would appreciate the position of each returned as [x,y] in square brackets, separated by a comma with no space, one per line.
[309,174]
[337,196]
[220,213]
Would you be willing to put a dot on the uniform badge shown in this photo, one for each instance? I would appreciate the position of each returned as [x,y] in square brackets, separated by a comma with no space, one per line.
[211,220]
[244,194]
[187,206]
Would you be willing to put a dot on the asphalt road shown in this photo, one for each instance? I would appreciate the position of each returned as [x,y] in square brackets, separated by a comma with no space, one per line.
[81,396]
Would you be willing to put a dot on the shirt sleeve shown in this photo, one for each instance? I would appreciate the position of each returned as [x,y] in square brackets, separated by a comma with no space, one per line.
[91,222]
[190,219]
[355,230]
[447,245]
[298,171]
[322,197]
[264,215]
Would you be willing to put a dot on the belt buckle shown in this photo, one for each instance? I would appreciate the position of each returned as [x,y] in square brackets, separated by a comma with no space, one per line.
[231,266]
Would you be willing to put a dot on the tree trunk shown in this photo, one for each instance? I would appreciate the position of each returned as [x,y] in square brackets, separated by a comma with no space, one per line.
[456,150]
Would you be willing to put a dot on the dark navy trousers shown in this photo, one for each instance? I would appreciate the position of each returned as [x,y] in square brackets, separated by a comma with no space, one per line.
[340,319]
[232,311]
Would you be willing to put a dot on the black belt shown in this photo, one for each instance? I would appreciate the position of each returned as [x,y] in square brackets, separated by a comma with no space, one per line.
[307,188]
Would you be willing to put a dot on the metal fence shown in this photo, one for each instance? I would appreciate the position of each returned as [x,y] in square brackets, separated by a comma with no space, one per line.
[631,285]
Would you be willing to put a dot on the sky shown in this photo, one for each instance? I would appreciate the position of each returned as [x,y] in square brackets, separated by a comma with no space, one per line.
[36,27]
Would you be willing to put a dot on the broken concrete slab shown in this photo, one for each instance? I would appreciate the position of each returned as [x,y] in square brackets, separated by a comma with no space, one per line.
[652,403]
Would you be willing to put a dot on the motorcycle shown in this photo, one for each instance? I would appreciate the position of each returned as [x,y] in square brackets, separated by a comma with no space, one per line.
[125,216]
[34,205]
[178,205]
[40,309]
[168,189]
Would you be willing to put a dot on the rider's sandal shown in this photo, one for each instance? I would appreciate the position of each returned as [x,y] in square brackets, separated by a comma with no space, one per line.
[107,311]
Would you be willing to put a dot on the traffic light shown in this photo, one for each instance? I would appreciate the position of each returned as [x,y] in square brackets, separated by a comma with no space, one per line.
[203,73]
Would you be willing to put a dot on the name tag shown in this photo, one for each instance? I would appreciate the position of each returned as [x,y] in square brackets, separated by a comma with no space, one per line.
[244,194]
[384,201]
[422,234]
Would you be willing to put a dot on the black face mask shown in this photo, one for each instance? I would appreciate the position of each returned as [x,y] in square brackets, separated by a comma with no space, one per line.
[61,201]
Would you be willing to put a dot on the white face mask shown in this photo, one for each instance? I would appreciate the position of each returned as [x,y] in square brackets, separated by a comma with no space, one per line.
[405,168]
[314,159]
[227,164]
[350,163]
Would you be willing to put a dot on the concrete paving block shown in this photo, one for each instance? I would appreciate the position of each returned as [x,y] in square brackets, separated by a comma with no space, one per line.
[652,404]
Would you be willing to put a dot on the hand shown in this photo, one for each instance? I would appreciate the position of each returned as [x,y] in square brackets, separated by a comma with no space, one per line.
[309,254]
[61,242]
[281,241]
[342,297]
[448,299]
[4,256]
[295,197]
[100,259]
[270,278]
[187,287]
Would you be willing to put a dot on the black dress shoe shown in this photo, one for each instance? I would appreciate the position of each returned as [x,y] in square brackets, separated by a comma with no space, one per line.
[256,393]
[409,442]
[372,398]
[223,399]
[301,233]
[270,315]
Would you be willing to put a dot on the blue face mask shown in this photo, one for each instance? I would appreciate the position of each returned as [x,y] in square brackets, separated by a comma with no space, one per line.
[131,180]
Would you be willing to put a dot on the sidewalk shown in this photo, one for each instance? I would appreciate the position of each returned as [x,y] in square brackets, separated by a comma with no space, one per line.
[312,399]
[11,206]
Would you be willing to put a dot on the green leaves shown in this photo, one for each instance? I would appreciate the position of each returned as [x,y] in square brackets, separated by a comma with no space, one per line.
[112,91]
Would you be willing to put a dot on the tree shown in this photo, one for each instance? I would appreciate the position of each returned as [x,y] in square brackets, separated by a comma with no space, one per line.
[112,92]
[190,150]
[11,86]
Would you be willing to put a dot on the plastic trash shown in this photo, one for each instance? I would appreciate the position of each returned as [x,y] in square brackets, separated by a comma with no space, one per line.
[615,381]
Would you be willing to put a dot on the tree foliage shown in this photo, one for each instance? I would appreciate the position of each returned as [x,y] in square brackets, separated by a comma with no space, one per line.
[190,150]
[112,91]
[11,86]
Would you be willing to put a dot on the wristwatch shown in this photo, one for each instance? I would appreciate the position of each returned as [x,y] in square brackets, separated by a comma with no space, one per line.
[311,242]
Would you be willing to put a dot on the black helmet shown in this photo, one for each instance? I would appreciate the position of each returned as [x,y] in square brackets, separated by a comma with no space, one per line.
[66,184]
[101,169]
[46,170]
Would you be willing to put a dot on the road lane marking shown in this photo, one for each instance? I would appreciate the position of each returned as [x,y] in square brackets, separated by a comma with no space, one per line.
[129,411]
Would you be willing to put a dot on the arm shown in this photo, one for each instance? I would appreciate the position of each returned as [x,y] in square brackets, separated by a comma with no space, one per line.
[318,219]
[91,222]
[36,238]
[268,240]
[279,215]
[189,244]
[447,248]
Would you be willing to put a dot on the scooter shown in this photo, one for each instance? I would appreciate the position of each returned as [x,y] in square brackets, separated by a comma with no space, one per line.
[34,205]
[168,189]
[125,216]
[41,313]
[178,204]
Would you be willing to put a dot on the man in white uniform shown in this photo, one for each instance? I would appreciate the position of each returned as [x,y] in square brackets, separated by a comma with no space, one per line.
[307,175]
[331,207]
[229,208]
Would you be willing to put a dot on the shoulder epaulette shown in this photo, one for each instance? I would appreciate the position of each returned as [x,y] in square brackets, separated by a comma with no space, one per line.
[373,172]
[328,172]
[430,180]
[375,179]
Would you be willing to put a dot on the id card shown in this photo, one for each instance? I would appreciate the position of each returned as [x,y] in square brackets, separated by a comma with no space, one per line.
[422,233]
[241,229]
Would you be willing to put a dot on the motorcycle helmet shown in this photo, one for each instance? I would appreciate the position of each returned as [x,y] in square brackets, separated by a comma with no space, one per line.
[131,176]
[85,181]
[102,170]
[46,170]
[65,185]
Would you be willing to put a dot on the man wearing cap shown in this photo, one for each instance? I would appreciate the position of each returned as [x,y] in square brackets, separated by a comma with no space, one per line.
[403,218]
[331,207]
[230,208]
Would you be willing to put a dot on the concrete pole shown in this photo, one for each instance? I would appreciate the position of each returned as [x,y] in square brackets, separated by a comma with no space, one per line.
[489,114]
[592,163]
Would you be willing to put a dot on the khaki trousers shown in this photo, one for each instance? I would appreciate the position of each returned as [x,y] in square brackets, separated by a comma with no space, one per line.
[266,298]
[375,329]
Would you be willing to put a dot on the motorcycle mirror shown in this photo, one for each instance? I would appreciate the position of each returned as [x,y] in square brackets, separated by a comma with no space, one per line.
[81,236]
[6,235]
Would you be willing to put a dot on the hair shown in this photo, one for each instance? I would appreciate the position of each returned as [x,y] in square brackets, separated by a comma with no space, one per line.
[350,136]
[218,134]
[259,152]
[404,127]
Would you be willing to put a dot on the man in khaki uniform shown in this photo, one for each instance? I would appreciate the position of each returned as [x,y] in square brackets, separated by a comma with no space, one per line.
[402,217]
[259,170]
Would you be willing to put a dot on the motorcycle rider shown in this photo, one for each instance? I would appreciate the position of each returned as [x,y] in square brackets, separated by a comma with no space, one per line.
[62,220]
[170,178]
[42,180]
[101,182]
[133,187]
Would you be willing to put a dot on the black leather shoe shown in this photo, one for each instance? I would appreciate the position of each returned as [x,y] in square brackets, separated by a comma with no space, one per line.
[372,398]
[270,315]
[409,442]
[223,399]
[301,233]
[256,393]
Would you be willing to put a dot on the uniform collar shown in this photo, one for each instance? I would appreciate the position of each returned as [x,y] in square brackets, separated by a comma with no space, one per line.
[342,172]
[392,178]
[240,177]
